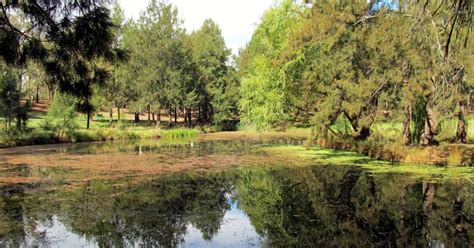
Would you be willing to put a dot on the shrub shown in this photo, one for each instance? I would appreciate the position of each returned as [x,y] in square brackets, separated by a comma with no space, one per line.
[62,117]
[105,134]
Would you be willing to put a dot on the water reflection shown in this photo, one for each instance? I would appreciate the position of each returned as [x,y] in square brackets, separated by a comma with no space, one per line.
[328,206]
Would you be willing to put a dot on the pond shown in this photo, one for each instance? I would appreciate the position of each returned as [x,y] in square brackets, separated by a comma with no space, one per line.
[222,193]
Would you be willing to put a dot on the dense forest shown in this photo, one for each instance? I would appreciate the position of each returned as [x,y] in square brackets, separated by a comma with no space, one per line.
[343,69]
[347,63]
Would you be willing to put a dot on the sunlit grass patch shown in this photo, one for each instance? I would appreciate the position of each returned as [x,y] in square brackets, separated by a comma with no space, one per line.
[179,133]
[344,158]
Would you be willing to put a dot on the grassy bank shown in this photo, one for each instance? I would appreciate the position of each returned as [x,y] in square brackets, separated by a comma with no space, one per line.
[384,144]
[374,150]
[95,134]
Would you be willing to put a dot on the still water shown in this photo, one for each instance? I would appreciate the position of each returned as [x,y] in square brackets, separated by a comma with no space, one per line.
[246,198]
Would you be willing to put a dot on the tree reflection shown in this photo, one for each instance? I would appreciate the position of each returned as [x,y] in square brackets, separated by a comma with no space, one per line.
[348,207]
[155,213]
[290,207]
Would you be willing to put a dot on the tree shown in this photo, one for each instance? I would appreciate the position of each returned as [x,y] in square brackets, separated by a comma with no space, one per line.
[440,62]
[9,95]
[341,61]
[337,65]
[77,34]
[37,82]
[113,90]
[264,101]
[62,117]
[161,70]
[211,56]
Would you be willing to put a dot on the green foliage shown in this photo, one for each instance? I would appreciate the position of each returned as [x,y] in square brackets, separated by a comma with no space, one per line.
[62,117]
[217,84]
[71,41]
[178,133]
[345,63]
[9,96]
[262,102]
[264,94]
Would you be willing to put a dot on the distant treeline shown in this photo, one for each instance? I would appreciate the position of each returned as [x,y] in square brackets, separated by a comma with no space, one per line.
[326,63]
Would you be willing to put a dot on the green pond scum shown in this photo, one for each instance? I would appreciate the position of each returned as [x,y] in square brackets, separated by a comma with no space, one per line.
[345,158]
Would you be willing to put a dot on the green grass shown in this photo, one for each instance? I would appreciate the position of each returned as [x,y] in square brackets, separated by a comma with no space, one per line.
[98,134]
[100,130]
[179,133]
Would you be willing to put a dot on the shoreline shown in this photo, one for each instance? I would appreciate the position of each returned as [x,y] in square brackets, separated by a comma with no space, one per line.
[442,155]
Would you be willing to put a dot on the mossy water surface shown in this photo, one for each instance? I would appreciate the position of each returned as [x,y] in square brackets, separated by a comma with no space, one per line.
[323,156]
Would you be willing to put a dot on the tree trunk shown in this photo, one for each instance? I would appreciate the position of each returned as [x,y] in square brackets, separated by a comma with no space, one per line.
[149,114]
[461,133]
[199,114]
[185,116]
[430,128]
[469,101]
[190,116]
[429,191]
[170,118]
[406,126]
[88,120]
[118,114]
[158,117]
[137,117]
[37,95]
[19,108]
[153,117]
[111,115]
[175,116]
[363,134]
[18,120]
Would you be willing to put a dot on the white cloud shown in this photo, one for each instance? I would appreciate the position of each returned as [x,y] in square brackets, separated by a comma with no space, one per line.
[237,18]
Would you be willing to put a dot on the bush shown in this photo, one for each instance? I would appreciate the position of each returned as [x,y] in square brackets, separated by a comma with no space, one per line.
[126,135]
[105,134]
[27,138]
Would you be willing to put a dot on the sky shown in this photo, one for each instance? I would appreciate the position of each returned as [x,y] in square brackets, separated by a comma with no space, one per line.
[237,18]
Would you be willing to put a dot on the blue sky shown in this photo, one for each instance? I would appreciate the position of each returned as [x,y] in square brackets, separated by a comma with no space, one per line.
[390,4]
[237,18]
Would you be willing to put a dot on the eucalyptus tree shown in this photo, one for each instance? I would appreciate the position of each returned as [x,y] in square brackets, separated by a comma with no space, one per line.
[37,82]
[337,65]
[438,63]
[342,60]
